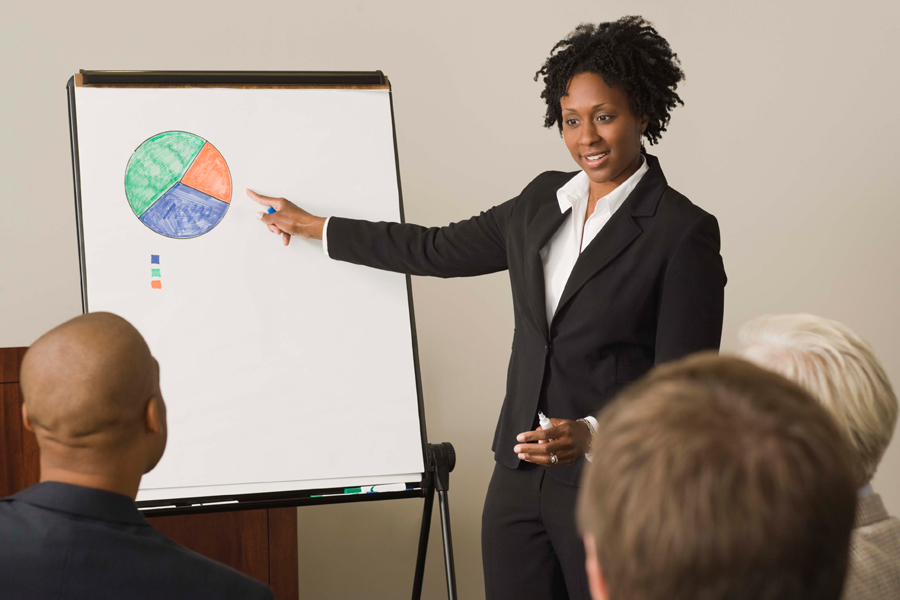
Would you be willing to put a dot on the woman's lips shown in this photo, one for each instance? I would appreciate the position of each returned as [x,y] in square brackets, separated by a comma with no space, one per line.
[595,159]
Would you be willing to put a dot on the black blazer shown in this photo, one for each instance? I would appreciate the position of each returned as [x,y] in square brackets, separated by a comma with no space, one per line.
[648,289]
[68,542]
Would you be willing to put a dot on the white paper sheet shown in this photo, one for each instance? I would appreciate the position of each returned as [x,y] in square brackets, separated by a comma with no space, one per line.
[277,364]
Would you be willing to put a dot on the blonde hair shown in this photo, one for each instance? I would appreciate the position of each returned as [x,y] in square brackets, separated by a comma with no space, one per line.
[839,369]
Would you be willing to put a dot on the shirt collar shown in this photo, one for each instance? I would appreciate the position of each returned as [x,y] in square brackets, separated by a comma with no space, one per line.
[83,501]
[577,189]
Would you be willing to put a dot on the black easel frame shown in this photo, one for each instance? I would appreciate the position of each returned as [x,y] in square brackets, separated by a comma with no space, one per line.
[439,459]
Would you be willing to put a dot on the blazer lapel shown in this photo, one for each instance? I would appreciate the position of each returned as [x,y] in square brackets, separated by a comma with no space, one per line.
[619,232]
[540,230]
[615,236]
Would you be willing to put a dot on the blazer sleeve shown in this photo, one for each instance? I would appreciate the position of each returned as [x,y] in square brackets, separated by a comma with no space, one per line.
[475,246]
[693,294]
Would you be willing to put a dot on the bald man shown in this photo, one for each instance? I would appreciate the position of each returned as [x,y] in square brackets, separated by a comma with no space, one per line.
[92,398]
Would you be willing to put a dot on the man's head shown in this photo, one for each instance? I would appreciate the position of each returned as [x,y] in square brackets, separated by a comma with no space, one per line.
[91,390]
[714,479]
[839,369]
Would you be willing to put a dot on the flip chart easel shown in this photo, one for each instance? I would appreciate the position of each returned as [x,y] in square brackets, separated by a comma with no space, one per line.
[162,249]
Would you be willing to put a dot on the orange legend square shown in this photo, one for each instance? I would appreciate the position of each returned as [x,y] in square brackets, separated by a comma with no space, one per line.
[156,284]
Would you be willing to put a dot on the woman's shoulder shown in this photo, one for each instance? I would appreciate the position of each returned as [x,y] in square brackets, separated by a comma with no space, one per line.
[668,213]
[674,204]
[675,209]
[659,199]
[678,219]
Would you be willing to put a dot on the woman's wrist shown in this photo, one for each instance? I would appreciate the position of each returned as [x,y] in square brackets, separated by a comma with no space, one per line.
[317,228]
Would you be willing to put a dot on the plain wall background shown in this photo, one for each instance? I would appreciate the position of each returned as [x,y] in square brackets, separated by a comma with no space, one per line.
[788,136]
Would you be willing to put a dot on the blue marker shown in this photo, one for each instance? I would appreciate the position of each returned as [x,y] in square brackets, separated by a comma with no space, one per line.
[271,210]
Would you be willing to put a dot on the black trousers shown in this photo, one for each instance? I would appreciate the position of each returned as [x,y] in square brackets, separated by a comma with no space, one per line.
[529,541]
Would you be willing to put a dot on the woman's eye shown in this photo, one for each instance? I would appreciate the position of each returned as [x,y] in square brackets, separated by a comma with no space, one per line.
[604,118]
[571,122]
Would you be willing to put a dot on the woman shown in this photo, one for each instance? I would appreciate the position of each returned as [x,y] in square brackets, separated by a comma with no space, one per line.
[612,271]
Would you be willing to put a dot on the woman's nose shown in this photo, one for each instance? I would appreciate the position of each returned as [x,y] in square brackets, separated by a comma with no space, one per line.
[589,136]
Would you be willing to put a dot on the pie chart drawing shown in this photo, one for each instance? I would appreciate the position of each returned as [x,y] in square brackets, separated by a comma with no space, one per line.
[178,184]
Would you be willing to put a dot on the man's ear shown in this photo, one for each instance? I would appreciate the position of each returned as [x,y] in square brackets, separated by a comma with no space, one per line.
[155,415]
[596,583]
[29,426]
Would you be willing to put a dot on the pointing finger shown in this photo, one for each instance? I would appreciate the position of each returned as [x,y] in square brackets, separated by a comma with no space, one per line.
[275,203]
[258,197]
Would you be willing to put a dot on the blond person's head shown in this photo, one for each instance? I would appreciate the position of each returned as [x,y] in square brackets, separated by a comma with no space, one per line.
[839,369]
[715,479]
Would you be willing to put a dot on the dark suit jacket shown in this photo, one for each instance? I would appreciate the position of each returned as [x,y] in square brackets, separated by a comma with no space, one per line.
[649,288]
[61,541]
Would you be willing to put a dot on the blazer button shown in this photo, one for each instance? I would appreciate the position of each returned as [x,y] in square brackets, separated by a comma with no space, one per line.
[547,347]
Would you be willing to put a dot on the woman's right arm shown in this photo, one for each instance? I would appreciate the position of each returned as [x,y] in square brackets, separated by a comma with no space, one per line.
[475,246]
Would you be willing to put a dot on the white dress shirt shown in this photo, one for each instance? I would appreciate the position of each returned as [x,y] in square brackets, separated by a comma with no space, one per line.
[573,236]
[325,237]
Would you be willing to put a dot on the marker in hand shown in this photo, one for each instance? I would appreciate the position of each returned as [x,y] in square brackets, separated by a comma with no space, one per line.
[285,217]
[274,228]
[545,424]
[265,215]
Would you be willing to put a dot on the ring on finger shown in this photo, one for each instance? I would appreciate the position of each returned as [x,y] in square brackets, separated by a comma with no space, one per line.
[553,459]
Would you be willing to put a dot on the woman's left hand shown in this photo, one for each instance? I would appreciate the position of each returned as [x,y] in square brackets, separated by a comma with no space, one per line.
[570,441]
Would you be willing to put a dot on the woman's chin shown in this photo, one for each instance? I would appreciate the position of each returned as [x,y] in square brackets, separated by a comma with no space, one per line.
[600,174]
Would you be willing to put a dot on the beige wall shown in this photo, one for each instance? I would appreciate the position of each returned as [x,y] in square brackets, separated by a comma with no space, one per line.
[788,136]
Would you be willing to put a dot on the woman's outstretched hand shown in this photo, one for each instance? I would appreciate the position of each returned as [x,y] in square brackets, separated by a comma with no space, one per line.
[288,218]
[570,441]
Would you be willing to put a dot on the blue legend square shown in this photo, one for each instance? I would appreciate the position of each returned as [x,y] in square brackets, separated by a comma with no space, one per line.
[154,259]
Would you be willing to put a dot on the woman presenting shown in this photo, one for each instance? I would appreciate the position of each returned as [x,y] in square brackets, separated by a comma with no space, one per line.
[612,272]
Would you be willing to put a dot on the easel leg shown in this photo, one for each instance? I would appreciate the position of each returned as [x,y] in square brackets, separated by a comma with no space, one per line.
[423,543]
[441,460]
[444,503]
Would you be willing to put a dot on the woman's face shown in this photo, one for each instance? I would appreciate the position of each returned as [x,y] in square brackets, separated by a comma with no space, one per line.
[601,131]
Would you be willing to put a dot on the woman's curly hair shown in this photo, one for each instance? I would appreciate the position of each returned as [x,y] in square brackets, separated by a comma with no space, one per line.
[628,52]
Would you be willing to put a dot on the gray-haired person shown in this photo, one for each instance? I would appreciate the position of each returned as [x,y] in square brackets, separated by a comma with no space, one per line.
[844,375]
